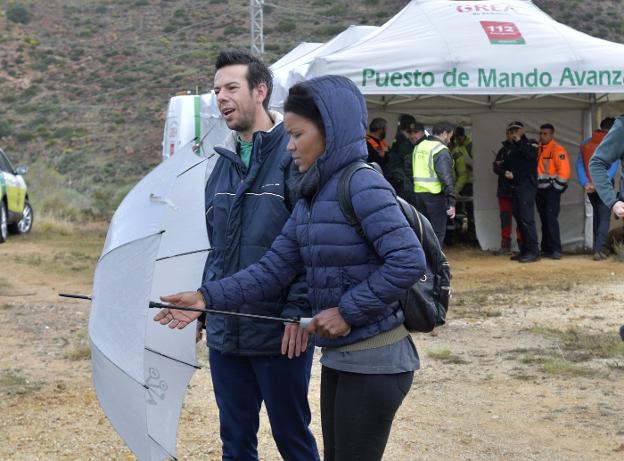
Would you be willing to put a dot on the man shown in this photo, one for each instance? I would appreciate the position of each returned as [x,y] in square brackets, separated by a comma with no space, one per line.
[610,150]
[247,203]
[375,142]
[553,174]
[461,151]
[520,168]
[398,171]
[504,193]
[432,167]
[601,213]
[460,148]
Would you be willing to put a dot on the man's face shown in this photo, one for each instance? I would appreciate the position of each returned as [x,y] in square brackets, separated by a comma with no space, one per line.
[237,103]
[445,137]
[546,135]
[515,133]
[414,136]
[382,133]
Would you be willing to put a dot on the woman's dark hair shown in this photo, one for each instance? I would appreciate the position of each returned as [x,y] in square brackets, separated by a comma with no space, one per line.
[301,102]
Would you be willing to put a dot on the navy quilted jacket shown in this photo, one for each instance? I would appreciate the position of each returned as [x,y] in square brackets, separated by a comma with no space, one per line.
[364,280]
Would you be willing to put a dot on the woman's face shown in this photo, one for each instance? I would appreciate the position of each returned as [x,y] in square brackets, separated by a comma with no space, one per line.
[306,142]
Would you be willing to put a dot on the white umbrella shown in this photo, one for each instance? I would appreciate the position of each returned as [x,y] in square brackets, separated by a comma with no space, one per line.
[156,244]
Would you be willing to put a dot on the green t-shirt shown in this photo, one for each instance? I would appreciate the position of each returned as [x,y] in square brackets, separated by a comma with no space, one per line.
[244,150]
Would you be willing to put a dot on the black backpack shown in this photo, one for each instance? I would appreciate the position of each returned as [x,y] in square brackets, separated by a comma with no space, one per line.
[425,303]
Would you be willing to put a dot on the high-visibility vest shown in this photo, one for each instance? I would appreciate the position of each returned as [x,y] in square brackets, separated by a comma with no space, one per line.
[425,176]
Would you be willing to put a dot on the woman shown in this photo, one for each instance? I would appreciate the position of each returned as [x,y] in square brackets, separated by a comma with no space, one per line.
[354,283]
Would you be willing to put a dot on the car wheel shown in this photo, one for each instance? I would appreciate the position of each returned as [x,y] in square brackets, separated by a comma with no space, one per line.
[24,225]
[4,227]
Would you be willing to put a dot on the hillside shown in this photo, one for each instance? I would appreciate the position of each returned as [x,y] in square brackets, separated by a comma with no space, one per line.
[84,83]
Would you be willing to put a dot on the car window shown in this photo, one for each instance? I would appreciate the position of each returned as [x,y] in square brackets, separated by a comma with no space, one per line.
[4,163]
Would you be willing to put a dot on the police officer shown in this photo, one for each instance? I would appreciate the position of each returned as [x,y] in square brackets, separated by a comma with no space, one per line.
[398,170]
[432,165]
[553,173]
[521,168]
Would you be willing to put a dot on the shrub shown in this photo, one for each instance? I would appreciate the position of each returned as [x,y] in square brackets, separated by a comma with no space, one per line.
[18,14]
[286,25]
[5,128]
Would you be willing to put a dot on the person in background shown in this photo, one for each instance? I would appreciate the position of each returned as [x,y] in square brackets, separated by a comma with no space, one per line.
[521,169]
[610,150]
[601,213]
[432,165]
[375,142]
[355,281]
[553,174]
[460,148]
[398,171]
[504,193]
[247,203]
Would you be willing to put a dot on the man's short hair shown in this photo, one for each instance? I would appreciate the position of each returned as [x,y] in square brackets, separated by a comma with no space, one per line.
[257,71]
[377,124]
[547,126]
[442,127]
[607,123]
[459,131]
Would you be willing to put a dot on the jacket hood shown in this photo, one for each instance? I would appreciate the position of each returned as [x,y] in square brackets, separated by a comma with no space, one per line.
[344,114]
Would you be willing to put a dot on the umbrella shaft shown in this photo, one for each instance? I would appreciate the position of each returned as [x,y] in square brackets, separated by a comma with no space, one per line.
[157,305]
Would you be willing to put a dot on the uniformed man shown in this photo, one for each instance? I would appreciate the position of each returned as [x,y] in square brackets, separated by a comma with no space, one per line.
[375,142]
[432,166]
[520,167]
[553,174]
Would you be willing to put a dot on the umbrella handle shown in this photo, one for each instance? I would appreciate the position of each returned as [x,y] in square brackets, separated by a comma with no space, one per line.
[305,321]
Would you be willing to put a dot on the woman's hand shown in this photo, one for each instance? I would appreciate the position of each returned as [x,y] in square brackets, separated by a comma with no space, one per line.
[294,341]
[329,324]
[176,318]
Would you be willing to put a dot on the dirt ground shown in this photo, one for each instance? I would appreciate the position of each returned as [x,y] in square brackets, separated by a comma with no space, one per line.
[529,365]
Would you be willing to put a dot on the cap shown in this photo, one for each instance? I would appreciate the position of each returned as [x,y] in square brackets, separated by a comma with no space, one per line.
[415,127]
[515,125]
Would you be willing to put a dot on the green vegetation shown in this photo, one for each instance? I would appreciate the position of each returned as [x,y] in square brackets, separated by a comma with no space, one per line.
[446,356]
[15,382]
[18,14]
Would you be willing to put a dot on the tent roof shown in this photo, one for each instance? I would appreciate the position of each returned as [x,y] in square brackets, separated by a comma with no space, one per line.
[300,50]
[282,79]
[463,48]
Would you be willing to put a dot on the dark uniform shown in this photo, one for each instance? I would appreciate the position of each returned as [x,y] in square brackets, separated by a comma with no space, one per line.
[522,162]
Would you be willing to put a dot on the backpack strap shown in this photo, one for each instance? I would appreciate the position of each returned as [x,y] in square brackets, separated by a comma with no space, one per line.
[344,194]
[346,204]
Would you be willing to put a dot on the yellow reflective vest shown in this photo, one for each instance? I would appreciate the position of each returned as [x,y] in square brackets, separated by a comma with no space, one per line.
[425,176]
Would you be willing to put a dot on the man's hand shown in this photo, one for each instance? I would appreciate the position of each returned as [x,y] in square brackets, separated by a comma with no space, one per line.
[589,188]
[176,318]
[508,174]
[618,209]
[450,212]
[294,341]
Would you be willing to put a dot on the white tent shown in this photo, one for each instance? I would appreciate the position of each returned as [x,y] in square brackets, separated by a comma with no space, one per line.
[282,78]
[488,62]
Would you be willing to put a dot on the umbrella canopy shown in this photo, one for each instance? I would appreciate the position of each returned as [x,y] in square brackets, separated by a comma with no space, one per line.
[156,244]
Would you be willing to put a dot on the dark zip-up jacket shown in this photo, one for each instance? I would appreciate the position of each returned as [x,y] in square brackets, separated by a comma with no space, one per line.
[363,277]
[522,162]
[245,210]
[505,186]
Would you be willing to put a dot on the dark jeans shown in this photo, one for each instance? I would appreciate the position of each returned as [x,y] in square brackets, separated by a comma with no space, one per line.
[602,216]
[524,213]
[357,412]
[241,384]
[433,206]
[548,206]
